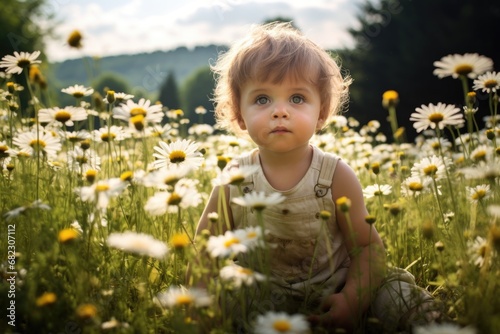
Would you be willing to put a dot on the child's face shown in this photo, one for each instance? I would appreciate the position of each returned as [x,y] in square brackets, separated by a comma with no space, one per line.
[280,117]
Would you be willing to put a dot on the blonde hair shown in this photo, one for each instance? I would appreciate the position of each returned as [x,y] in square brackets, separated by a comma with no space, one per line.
[274,52]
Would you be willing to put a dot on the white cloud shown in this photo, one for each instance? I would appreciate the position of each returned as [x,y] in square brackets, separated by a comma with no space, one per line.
[144,26]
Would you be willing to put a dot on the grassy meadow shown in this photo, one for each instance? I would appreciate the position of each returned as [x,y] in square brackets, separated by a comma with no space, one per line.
[99,203]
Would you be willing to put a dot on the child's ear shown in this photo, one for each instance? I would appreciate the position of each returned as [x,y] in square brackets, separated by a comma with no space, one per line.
[241,123]
[320,123]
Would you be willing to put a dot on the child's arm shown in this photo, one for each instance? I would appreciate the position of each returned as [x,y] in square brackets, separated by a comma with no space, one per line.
[366,251]
[212,206]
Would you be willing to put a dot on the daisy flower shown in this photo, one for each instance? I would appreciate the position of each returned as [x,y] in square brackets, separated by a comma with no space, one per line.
[251,236]
[225,245]
[64,116]
[201,130]
[43,142]
[431,167]
[183,196]
[482,153]
[439,116]
[237,175]
[377,190]
[470,65]
[477,250]
[494,211]
[238,275]
[75,136]
[151,113]
[281,323]
[488,82]
[181,296]
[38,204]
[16,63]
[110,134]
[444,328]
[78,91]
[102,191]
[484,170]
[164,177]
[138,243]
[415,185]
[259,200]
[478,193]
[81,160]
[181,152]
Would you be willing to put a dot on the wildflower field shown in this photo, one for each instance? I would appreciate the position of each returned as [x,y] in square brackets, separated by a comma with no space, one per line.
[99,205]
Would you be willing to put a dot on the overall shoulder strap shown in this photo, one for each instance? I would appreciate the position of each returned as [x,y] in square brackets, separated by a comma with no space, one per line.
[326,174]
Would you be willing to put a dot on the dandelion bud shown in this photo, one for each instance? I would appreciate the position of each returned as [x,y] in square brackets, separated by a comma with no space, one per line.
[222,162]
[395,208]
[439,246]
[85,144]
[370,219]
[471,98]
[86,311]
[325,215]
[490,134]
[110,96]
[390,98]
[75,39]
[90,175]
[127,176]
[179,241]
[375,167]
[10,167]
[344,203]
[428,229]
[67,235]
[11,87]
[47,298]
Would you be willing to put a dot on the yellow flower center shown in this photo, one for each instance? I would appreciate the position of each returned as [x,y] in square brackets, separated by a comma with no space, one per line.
[230,242]
[86,311]
[415,186]
[101,187]
[67,235]
[37,144]
[126,176]
[463,69]
[179,240]
[138,122]
[479,155]
[81,159]
[177,156]
[479,194]
[3,151]
[491,83]
[107,137]
[245,271]
[436,117]
[236,179]
[23,62]
[282,326]
[62,116]
[46,299]
[251,235]
[137,111]
[174,199]
[184,300]
[430,170]
[77,94]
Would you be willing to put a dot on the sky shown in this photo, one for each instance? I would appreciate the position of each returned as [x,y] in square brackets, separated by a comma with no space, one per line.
[137,26]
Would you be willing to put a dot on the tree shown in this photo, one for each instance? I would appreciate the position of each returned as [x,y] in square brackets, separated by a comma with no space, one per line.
[397,43]
[20,31]
[197,91]
[169,93]
[113,81]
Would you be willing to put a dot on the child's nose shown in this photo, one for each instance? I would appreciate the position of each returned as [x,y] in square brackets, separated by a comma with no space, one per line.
[280,111]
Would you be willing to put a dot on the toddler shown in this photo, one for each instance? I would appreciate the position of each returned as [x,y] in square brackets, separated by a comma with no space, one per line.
[326,261]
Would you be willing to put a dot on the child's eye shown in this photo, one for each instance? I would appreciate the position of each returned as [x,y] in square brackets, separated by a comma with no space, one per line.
[262,100]
[297,99]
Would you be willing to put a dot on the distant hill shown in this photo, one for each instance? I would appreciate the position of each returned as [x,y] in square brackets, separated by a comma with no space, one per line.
[145,70]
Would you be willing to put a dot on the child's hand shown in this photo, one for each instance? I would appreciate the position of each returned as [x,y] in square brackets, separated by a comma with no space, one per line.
[336,313]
